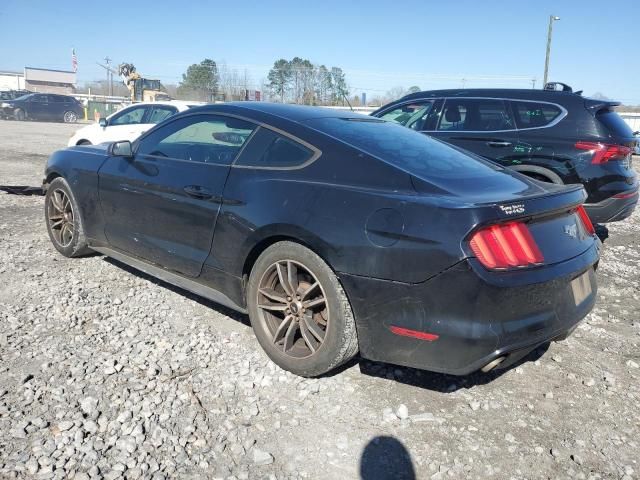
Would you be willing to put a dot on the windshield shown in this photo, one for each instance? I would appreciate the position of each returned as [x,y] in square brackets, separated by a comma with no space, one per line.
[22,97]
[411,151]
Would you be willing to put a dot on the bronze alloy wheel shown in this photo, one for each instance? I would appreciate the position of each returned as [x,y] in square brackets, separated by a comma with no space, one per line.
[60,216]
[292,305]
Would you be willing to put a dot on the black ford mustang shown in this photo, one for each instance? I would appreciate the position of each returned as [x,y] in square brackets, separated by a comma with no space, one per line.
[337,233]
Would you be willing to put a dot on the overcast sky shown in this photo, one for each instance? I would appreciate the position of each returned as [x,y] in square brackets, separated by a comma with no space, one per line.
[379,44]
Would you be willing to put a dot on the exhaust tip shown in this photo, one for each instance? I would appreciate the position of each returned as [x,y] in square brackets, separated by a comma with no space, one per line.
[492,364]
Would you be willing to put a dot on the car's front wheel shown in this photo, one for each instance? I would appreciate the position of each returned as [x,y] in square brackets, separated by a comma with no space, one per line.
[19,115]
[70,117]
[64,222]
[299,311]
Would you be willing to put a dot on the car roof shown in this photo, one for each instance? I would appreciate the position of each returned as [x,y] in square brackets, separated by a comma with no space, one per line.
[284,111]
[523,93]
[175,103]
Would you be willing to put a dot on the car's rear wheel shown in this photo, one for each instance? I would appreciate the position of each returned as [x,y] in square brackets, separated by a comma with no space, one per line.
[19,115]
[299,311]
[70,117]
[64,222]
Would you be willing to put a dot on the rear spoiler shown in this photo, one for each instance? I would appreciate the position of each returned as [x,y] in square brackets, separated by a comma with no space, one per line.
[594,106]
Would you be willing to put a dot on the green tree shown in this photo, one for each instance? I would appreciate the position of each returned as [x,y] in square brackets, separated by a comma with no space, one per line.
[201,80]
[279,78]
[338,85]
[322,84]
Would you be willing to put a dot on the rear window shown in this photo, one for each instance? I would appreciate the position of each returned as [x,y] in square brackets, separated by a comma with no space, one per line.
[479,115]
[535,114]
[614,123]
[411,151]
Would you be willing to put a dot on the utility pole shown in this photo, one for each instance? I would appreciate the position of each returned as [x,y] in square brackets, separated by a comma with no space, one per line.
[464,82]
[552,18]
[110,72]
[107,60]
[533,83]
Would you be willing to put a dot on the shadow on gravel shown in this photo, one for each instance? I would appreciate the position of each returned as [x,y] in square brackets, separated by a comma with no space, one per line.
[410,376]
[22,190]
[386,458]
[440,382]
[239,317]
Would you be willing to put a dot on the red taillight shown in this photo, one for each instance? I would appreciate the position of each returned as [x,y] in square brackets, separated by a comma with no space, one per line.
[602,152]
[507,245]
[586,221]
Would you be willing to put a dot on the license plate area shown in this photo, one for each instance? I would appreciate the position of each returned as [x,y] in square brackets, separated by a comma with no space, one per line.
[581,288]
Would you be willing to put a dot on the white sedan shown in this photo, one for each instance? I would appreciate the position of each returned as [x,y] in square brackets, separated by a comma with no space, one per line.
[129,123]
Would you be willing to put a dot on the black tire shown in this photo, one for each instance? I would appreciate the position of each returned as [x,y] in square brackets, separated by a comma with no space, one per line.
[84,142]
[60,206]
[70,117]
[332,318]
[19,115]
[538,176]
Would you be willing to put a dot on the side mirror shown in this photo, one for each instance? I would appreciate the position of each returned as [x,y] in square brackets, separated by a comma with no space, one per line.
[102,122]
[636,133]
[122,149]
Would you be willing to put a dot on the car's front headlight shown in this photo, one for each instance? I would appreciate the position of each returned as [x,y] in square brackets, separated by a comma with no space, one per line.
[4,105]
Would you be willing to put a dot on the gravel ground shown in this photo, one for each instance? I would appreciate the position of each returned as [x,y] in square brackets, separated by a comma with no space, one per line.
[108,373]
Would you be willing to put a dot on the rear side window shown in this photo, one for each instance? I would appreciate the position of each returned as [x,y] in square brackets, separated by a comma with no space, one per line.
[159,113]
[614,123]
[269,149]
[475,115]
[411,151]
[534,114]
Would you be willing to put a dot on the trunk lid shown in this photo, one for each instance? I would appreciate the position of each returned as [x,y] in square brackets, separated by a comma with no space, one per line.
[548,211]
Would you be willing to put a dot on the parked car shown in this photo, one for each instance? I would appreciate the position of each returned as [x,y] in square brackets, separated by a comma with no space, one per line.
[337,233]
[128,123]
[12,94]
[554,136]
[43,106]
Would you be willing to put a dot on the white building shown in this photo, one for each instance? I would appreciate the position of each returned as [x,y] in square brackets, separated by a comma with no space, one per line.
[42,80]
[11,80]
[632,119]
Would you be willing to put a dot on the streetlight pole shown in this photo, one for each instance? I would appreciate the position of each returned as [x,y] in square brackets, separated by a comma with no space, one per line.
[552,18]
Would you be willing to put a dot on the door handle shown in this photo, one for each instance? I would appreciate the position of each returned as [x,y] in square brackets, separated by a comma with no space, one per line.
[499,144]
[196,191]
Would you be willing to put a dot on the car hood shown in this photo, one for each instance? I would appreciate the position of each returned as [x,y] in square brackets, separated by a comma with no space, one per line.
[98,148]
[87,129]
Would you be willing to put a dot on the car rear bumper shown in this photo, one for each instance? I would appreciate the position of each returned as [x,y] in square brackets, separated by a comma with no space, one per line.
[613,209]
[472,316]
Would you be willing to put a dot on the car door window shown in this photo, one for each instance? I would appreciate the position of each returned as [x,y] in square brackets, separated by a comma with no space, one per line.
[413,115]
[199,138]
[534,114]
[269,149]
[133,115]
[475,115]
[160,113]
